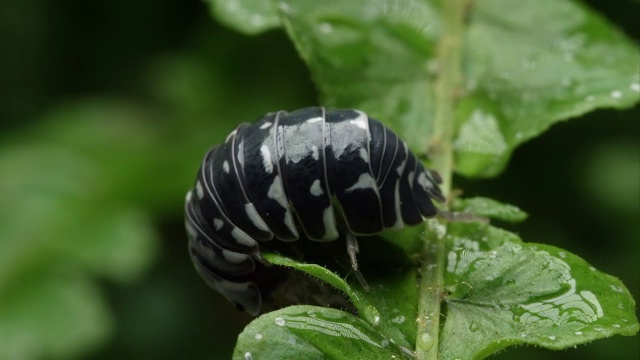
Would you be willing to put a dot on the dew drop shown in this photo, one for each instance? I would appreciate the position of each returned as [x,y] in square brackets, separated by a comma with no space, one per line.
[384,343]
[598,328]
[473,327]
[519,135]
[592,268]
[258,336]
[635,87]
[617,326]
[578,332]
[562,254]
[624,320]
[256,20]
[616,94]
[279,321]
[620,306]
[426,338]
[376,320]
[617,288]
[590,98]
[248,356]
[551,337]
[284,7]
[325,28]
[523,335]
[232,5]
[398,319]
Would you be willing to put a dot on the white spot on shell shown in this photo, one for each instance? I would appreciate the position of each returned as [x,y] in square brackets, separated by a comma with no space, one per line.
[255,218]
[266,159]
[314,153]
[365,181]
[316,189]
[199,190]
[240,154]
[191,231]
[330,231]
[396,197]
[364,155]
[233,257]
[288,221]
[424,181]
[400,168]
[241,238]
[276,192]
[225,166]
[217,224]
[361,120]
[266,125]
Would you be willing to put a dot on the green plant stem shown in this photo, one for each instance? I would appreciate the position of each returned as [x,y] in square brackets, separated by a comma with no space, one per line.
[441,147]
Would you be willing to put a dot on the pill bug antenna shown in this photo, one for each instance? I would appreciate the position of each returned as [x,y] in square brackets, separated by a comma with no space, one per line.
[352,250]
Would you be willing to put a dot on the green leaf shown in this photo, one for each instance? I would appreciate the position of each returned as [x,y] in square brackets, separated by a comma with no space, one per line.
[530,64]
[490,208]
[51,313]
[59,193]
[388,304]
[375,56]
[247,16]
[499,292]
[311,332]
[502,292]
[65,203]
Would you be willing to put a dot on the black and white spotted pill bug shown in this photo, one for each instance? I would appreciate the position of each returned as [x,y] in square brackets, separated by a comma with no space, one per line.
[280,177]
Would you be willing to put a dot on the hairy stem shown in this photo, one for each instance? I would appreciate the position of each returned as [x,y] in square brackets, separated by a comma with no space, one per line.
[441,148]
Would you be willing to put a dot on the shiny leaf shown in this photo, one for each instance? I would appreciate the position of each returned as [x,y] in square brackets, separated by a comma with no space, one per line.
[502,292]
[311,332]
[490,208]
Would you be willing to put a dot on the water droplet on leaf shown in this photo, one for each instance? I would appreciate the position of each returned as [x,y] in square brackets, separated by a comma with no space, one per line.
[279,321]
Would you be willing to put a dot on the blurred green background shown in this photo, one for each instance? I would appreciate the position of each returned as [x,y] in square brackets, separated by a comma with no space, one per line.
[106,108]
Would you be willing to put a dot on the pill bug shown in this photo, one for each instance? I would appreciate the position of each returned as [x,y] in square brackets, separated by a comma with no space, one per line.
[297,175]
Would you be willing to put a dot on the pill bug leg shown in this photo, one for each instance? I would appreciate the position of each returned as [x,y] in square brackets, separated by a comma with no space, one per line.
[352,250]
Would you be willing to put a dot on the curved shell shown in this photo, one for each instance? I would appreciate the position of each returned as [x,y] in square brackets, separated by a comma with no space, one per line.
[276,179]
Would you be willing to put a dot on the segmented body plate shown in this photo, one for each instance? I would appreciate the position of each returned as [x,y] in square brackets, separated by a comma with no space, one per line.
[279,178]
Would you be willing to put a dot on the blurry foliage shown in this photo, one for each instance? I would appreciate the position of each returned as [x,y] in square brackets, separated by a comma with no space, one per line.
[105,112]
